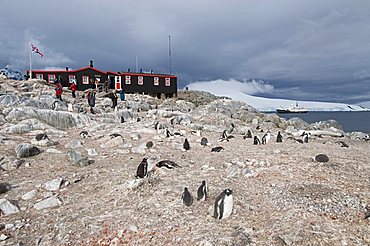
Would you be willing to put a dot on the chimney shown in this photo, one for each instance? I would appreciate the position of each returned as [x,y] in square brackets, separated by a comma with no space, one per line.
[66,68]
[91,63]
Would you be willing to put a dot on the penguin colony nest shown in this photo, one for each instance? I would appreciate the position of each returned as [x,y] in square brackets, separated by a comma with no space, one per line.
[281,197]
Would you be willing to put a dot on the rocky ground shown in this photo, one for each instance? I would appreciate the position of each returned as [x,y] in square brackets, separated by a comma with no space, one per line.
[79,191]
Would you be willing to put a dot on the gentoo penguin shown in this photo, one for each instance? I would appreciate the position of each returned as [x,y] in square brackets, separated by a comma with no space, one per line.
[266,138]
[231,128]
[279,138]
[248,134]
[202,191]
[204,141]
[142,169]
[217,149]
[167,163]
[224,205]
[186,197]
[84,134]
[256,140]
[186,144]
[168,133]
[225,136]
[114,135]
[41,136]
[149,144]
[305,137]
[342,144]
[5,187]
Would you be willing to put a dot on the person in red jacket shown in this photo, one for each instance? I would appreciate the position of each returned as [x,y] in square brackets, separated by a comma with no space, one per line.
[58,91]
[73,89]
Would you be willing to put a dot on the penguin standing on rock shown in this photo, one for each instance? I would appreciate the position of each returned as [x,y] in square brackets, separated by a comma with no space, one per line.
[266,138]
[186,197]
[279,138]
[204,141]
[224,205]
[256,140]
[142,169]
[202,191]
[305,136]
[186,144]
[248,134]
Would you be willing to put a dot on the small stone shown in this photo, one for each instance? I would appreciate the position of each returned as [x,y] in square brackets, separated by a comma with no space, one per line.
[92,152]
[135,136]
[48,203]
[53,151]
[8,207]
[322,158]
[29,195]
[54,184]
[3,237]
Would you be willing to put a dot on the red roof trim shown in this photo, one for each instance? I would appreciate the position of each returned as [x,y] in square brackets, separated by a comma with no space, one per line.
[149,75]
[110,72]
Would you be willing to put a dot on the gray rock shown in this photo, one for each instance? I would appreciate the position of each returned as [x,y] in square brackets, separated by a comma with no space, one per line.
[75,144]
[29,195]
[117,141]
[9,100]
[53,185]
[135,136]
[48,203]
[77,159]
[92,152]
[232,170]
[26,150]
[321,158]
[7,207]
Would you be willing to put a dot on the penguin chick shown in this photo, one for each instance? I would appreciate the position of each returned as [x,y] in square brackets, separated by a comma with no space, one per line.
[186,197]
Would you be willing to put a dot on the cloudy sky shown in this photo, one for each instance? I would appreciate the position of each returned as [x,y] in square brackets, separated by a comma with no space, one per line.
[302,49]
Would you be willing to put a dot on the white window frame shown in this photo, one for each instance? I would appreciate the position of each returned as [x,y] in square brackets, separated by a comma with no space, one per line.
[72,78]
[140,80]
[127,79]
[85,79]
[51,78]
[39,76]
[167,81]
[156,81]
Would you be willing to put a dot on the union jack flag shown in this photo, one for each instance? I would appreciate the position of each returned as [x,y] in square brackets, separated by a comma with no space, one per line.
[36,50]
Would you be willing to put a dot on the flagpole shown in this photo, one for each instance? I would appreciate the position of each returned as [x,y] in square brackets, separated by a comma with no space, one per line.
[30,56]
[169,51]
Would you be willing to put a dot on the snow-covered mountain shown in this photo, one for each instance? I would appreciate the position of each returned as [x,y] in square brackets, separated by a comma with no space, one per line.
[11,73]
[243,91]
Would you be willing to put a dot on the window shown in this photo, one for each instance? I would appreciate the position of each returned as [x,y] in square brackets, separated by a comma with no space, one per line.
[51,78]
[140,80]
[72,79]
[168,81]
[39,76]
[156,81]
[85,80]
[117,80]
[127,79]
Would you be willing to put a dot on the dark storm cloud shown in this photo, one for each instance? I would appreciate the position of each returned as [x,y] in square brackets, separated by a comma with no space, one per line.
[314,49]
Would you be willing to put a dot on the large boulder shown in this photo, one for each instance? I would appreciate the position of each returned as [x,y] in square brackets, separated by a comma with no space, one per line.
[58,119]
[26,150]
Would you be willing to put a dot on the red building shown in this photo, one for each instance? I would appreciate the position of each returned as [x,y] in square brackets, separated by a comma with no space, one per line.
[85,78]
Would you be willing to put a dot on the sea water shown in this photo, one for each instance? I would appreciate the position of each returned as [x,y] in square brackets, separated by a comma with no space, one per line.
[350,121]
